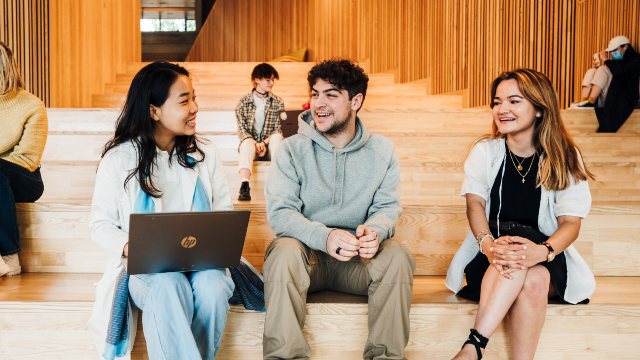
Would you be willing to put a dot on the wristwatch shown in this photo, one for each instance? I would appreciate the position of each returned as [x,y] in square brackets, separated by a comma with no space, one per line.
[552,253]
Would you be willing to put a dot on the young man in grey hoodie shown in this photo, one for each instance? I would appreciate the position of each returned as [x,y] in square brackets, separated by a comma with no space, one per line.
[333,200]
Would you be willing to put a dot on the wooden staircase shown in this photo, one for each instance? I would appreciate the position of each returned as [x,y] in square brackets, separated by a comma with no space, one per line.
[43,312]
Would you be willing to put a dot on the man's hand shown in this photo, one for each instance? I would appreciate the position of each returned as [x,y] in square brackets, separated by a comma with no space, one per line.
[347,243]
[125,251]
[369,242]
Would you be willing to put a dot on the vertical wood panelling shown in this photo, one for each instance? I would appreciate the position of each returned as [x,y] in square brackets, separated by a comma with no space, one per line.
[457,44]
[90,41]
[597,22]
[505,35]
[25,28]
[245,30]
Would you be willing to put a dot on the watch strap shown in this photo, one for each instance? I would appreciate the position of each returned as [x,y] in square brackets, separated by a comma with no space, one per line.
[551,251]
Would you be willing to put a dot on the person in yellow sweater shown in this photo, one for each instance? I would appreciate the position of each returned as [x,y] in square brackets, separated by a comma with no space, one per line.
[23,134]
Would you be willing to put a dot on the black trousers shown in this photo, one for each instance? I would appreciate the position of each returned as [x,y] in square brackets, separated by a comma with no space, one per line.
[17,184]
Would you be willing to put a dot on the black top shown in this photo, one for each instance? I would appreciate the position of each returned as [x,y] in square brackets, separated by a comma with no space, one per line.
[520,201]
[622,96]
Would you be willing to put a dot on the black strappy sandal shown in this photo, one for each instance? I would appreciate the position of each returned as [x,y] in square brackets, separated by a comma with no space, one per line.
[478,341]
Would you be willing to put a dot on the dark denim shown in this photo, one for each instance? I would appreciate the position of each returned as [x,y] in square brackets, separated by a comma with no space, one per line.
[17,184]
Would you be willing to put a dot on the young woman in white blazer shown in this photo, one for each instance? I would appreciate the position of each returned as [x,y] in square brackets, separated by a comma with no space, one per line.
[155,158]
[526,191]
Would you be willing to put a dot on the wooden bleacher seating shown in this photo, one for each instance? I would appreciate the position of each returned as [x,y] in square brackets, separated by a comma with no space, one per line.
[44,311]
[222,92]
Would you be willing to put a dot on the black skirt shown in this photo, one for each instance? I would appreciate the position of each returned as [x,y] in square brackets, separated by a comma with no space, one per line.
[474,271]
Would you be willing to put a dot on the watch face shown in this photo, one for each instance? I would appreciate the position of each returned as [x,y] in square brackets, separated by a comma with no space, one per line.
[552,256]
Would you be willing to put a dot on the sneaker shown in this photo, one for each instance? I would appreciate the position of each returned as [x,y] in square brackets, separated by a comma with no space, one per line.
[13,263]
[245,191]
[582,105]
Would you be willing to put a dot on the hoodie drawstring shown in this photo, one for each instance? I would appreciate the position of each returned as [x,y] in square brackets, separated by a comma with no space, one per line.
[335,173]
[344,166]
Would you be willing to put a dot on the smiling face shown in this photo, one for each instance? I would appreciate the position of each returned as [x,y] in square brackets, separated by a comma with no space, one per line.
[331,109]
[512,113]
[177,116]
[264,85]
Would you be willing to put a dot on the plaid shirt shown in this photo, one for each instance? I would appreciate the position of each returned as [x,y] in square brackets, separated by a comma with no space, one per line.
[246,117]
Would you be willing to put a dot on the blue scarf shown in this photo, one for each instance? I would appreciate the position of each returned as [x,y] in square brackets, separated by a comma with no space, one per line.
[249,286]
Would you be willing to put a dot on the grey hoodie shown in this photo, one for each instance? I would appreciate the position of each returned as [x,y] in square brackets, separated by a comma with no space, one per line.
[314,188]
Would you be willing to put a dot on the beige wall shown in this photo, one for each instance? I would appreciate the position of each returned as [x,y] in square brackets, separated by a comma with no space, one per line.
[90,41]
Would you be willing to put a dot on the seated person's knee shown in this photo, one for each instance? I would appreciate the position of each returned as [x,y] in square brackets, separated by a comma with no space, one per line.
[536,284]
[397,256]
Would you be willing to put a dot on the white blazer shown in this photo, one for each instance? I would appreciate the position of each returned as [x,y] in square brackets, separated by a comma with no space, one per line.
[110,210]
[481,169]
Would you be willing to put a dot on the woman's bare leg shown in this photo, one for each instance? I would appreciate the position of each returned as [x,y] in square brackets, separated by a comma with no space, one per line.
[586,91]
[527,314]
[497,296]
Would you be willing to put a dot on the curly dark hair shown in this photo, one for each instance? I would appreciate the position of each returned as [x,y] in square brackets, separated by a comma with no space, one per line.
[341,73]
[264,71]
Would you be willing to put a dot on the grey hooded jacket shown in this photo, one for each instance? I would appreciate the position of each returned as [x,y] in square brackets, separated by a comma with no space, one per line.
[314,188]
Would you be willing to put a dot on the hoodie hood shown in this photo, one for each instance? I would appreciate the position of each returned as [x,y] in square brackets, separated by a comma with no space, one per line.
[307,128]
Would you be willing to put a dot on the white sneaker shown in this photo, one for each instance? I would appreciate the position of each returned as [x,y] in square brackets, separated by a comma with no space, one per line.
[13,263]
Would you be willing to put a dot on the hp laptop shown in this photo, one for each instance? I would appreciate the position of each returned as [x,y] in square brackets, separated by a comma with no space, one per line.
[289,122]
[188,241]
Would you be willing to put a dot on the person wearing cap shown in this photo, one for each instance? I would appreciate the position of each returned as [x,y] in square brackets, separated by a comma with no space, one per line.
[613,86]
[259,130]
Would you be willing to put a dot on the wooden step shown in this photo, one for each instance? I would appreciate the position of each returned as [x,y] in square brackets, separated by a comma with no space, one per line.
[428,121]
[223,87]
[55,237]
[45,315]
[75,180]
[410,147]
[226,102]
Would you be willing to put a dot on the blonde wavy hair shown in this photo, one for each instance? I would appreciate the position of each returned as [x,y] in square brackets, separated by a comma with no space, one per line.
[10,79]
[560,157]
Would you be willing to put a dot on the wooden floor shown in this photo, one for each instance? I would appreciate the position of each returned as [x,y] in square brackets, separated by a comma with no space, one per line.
[65,287]
[43,316]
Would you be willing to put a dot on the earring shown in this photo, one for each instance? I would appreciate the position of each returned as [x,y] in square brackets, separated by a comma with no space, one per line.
[538,115]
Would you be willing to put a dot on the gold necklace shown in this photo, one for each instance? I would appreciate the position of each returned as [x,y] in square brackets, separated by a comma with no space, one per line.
[518,170]
[519,167]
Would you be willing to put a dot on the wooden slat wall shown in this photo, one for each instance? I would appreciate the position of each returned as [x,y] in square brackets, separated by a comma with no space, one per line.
[24,28]
[90,41]
[508,34]
[597,22]
[457,44]
[245,30]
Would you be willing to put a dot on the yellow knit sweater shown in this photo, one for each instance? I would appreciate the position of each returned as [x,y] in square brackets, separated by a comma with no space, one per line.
[23,129]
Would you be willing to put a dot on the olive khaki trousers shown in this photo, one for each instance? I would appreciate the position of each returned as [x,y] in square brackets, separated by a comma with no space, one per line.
[292,270]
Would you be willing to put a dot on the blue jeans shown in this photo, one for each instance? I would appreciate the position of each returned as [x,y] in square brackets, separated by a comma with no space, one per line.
[183,314]
[17,184]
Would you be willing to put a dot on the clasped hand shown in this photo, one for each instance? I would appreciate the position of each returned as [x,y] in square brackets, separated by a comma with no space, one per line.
[509,254]
[261,149]
[365,243]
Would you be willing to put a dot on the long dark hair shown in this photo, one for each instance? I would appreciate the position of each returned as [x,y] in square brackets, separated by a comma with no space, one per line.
[630,52]
[151,86]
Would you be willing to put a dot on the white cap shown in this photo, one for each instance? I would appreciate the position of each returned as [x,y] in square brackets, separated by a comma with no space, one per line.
[617,41]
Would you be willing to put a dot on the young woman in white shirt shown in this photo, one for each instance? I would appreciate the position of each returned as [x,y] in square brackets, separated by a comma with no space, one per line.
[526,191]
[155,162]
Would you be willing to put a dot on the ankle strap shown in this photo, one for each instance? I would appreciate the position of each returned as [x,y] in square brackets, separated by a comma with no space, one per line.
[478,341]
